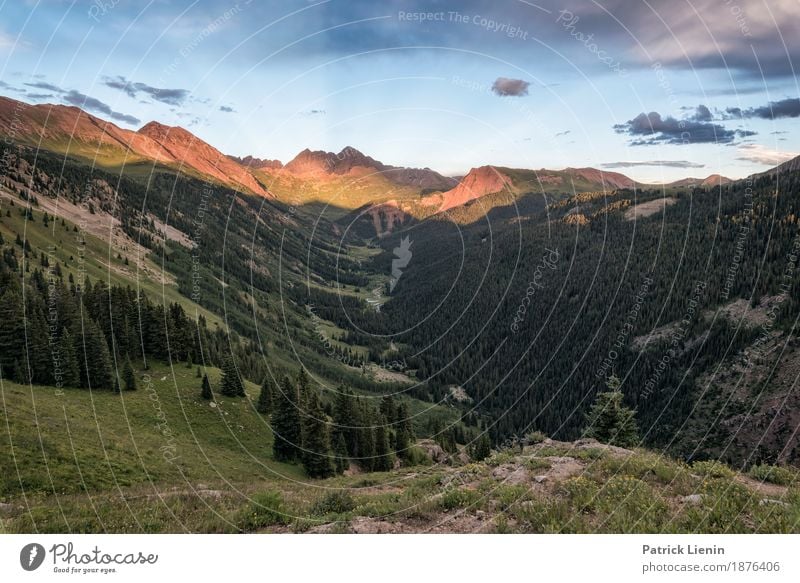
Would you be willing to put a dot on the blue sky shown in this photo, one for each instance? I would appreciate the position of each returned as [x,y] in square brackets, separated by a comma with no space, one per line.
[657,90]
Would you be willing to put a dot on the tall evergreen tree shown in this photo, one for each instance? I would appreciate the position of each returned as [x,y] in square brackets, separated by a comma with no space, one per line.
[609,421]
[231,383]
[205,391]
[384,459]
[286,428]
[316,442]
[340,446]
[93,357]
[404,434]
[68,361]
[128,376]
[264,405]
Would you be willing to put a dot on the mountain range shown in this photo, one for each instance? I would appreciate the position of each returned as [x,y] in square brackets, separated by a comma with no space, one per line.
[70,131]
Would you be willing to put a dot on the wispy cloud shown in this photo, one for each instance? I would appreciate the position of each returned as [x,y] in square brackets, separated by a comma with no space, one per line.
[763,155]
[131,89]
[92,104]
[662,163]
[504,87]
[226,109]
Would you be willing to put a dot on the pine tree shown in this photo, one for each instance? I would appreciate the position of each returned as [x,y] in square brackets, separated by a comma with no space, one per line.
[68,361]
[384,460]
[345,420]
[205,391]
[342,462]
[480,448]
[128,376]
[93,357]
[404,435]
[286,423]
[609,421]
[264,405]
[231,382]
[316,442]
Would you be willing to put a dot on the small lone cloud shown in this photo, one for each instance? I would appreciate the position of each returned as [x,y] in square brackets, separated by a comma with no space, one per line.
[564,133]
[505,87]
[226,109]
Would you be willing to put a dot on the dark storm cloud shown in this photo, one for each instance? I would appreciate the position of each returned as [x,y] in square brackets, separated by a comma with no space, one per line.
[651,128]
[131,89]
[95,105]
[505,87]
[662,163]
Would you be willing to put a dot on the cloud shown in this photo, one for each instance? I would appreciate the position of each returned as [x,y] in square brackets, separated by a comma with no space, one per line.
[651,128]
[702,113]
[315,112]
[564,133]
[789,107]
[504,86]
[662,163]
[39,96]
[763,155]
[226,109]
[131,89]
[47,86]
[92,104]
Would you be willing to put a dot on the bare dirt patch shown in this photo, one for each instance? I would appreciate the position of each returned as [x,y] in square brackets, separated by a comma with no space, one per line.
[649,208]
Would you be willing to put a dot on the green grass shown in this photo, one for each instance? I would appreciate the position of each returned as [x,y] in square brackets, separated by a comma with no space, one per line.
[83,254]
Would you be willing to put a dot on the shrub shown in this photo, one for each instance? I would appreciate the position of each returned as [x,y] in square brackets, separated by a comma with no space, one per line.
[535,437]
[713,469]
[773,474]
[336,502]
[265,509]
[458,498]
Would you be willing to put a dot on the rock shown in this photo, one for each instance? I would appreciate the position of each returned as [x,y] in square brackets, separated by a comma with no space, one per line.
[213,405]
[433,450]
[692,499]
[540,479]
[766,501]
[8,509]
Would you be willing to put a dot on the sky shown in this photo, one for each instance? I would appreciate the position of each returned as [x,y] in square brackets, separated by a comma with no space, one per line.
[656,89]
